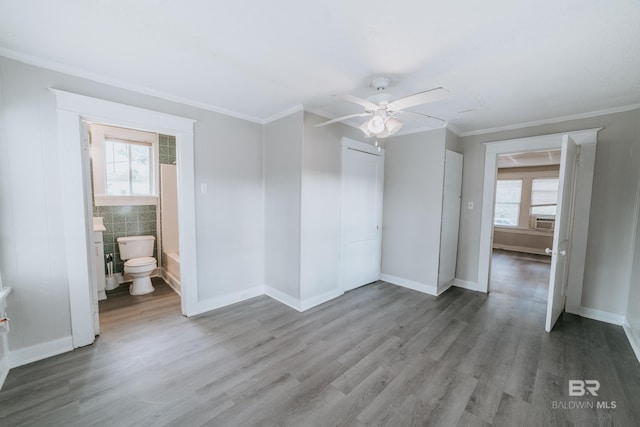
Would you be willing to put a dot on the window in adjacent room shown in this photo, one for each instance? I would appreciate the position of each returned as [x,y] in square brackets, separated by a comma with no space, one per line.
[507,209]
[124,166]
[544,197]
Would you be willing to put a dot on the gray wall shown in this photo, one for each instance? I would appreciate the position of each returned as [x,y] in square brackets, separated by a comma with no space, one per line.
[413,185]
[229,218]
[321,202]
[633,306]
[282,183]
[610,240]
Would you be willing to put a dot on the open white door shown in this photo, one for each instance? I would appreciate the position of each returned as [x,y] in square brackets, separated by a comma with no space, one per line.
[562,233]
[362,181]
[86,170]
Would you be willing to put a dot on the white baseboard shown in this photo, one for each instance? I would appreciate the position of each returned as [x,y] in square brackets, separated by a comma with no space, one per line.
[464,284]
[602,316]
[218,302]
[445,286]
[633,338]
[37,352]
[308,303]
[410,284]
[172,281]
[285,299]
[4,371]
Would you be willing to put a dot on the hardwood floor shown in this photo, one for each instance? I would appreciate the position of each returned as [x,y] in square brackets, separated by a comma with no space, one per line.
[379,355]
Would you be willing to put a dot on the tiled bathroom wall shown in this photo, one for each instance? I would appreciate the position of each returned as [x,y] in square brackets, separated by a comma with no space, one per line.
[167,148]
[123,221]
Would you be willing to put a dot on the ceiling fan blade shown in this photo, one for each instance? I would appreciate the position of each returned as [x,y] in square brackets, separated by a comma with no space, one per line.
[366,104]
[339,119]
[419,98]
[439,120]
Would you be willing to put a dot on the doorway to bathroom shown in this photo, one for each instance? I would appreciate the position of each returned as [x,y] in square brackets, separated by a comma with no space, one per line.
[134,204]
[73,111]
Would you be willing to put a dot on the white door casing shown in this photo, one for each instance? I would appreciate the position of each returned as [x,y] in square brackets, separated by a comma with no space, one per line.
[362,191]
[72,109]
[452,191]
[562,233]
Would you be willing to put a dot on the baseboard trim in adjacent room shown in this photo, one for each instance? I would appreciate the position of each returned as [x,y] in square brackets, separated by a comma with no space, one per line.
[464,284]
[308,303]
[410,284]
[602,316]
[634,340]
[224,300]
[283,298]
[37,352]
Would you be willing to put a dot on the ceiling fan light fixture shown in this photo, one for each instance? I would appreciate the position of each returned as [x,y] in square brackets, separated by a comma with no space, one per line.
[393,125]
[375,125]
[364,127]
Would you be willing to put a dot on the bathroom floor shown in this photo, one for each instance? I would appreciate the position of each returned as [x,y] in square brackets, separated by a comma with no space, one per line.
[121,307]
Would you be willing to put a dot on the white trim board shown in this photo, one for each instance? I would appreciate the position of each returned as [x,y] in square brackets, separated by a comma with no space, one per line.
[225,300]
[72,109]
[602,316]
[4,371]
[308,303]
[549,121]
[634,340]
[282,298]
[38,352]
[410,284]
[464,284]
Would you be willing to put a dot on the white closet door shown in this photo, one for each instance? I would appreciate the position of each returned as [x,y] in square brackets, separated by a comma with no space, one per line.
[362,183]
[450,217]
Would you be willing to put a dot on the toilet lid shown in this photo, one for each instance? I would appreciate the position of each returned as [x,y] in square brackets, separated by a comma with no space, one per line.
[137,262]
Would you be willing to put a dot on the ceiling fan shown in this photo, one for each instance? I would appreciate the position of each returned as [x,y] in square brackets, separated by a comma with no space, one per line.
[383,112]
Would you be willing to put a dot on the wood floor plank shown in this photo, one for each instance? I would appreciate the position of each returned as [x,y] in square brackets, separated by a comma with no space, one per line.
[378,355]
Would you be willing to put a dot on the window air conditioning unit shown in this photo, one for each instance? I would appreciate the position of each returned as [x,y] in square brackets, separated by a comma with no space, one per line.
[546,224]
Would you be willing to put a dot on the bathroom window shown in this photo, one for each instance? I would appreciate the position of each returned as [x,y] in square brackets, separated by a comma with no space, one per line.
[124,166]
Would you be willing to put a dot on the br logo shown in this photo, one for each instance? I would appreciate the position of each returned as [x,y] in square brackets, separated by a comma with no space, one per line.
[581,388]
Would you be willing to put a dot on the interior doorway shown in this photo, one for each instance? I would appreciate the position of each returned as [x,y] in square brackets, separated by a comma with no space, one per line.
[132,197]
[565,289]
[73,109]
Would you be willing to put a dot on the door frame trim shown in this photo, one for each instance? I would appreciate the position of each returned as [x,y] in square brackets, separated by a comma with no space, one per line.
[72,108]
[587,139]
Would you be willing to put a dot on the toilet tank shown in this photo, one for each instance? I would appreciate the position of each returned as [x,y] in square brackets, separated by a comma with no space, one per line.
[135,246]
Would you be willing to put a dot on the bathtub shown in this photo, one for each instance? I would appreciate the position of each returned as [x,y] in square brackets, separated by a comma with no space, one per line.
[171,269]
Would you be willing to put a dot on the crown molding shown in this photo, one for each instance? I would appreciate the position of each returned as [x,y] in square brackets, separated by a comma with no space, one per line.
[283,113]
[553,120]
[99,78]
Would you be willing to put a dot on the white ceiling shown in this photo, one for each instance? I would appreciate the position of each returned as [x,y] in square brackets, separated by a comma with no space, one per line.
[508,62]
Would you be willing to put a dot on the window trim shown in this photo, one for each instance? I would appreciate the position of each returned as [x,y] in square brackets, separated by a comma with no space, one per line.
[98,134]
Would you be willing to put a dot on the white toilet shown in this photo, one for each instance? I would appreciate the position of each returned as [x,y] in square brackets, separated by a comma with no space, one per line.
[138,251]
